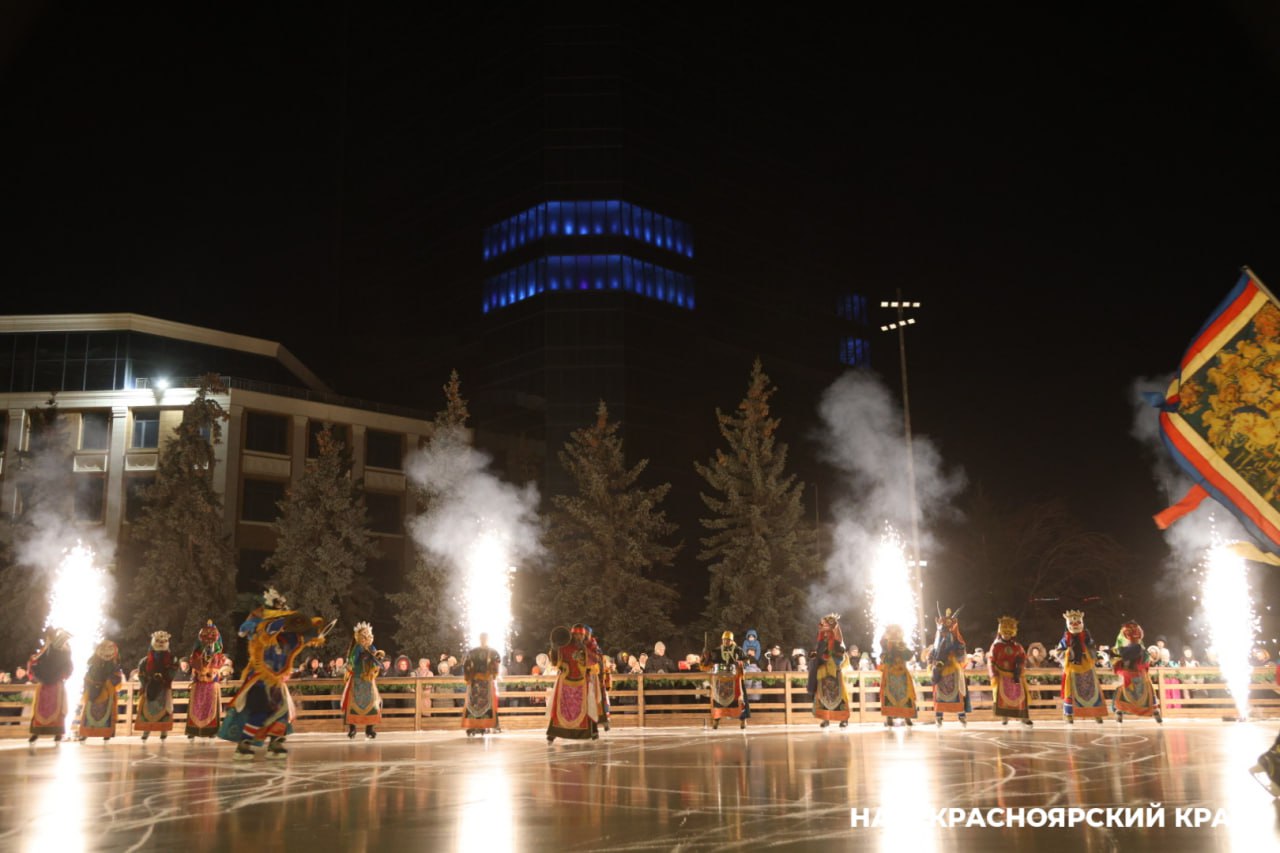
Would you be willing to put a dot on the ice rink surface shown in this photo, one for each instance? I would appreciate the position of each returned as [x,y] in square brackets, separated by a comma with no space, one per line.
[771,787]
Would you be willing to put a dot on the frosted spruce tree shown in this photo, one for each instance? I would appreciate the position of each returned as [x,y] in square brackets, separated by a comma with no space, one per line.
[187,569]
[426,612]
[324,544]
[760,553]
[606,540]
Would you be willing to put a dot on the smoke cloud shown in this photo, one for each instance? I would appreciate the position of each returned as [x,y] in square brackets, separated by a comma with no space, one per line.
[863,438]
[470,504]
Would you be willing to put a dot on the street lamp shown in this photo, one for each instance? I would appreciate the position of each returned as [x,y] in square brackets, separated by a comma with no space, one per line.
[900,326]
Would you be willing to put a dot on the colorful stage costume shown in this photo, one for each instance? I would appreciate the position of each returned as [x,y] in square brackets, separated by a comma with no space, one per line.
[950,690]
[1006,662]
[50,668]
[480,671]
[155,676]
[1081,690]
[102,680]
[727,697]
[262,708]
[361,703]
[897,687]
[208,667]
[831,698]
[575,703]
[1135,693]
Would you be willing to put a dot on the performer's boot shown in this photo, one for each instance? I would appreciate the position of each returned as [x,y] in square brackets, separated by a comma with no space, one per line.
[888,722]
[244,751]
[163,735]
[963,722]
[1159,718]
[1119,716]
[1098,720]
[909,722]
[57,738]
[938,719]
[32,739]
[276,749]
[351,732]
[144,736]
[370,733]
[1026,721]
[191,738]
[1004,721]
[742,724]
[824,724]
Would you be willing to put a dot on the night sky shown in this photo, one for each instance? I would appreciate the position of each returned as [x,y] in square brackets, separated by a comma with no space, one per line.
[1068,194]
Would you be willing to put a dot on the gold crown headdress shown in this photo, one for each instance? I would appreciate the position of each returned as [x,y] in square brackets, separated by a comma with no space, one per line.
[1073,615]
[362,627]
[1008,626]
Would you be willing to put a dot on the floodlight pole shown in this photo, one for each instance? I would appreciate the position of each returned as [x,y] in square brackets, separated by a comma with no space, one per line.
[916,579]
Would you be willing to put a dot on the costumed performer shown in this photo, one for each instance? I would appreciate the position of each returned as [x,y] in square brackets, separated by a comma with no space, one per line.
[831,699]
[950,689]
[102,680]
[480,672]
[1135,693]
[361,702]
[897,686]
[208,667]
[49,668]
[156,672]
[262,709]
[604,681]
[725,664]
[1081,690]
[1007,663]
[575,702]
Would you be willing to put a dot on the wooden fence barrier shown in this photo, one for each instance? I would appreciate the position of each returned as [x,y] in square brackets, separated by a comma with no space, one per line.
[676,699]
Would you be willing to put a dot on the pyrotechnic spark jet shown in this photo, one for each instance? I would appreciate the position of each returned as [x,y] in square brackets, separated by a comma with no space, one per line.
[1229,612]
[892,599]
[486,595]
[78,603]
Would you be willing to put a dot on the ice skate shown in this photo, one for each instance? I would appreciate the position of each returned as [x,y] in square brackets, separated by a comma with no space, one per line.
[369,733]
[351,732]
[1027,722]
[276,749]
[144,736]
[244,752]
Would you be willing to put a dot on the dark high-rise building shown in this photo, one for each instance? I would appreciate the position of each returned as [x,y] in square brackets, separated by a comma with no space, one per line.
[578,199]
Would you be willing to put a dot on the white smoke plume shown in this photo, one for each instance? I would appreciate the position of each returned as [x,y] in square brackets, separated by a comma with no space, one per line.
[472,511]
[864,439]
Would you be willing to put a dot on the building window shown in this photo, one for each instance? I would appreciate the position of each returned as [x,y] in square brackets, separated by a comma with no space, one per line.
[855,352]
[90,497]
[266,433]
[146,429]
[383,449]
[385,514]
[260,500]
[94,430]
[135,488]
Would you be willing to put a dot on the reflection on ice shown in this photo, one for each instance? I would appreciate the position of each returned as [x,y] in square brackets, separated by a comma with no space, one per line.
[640,790]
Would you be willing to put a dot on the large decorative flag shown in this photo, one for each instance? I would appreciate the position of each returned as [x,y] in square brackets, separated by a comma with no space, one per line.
[1221,415]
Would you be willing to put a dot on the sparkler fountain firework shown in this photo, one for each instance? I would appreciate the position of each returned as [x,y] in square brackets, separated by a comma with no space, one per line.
[1231,620]
[78,602]
[892,600]
[486,593]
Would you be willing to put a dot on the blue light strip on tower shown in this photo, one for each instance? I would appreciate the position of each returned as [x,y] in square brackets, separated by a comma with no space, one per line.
[587,219]
[588,273]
